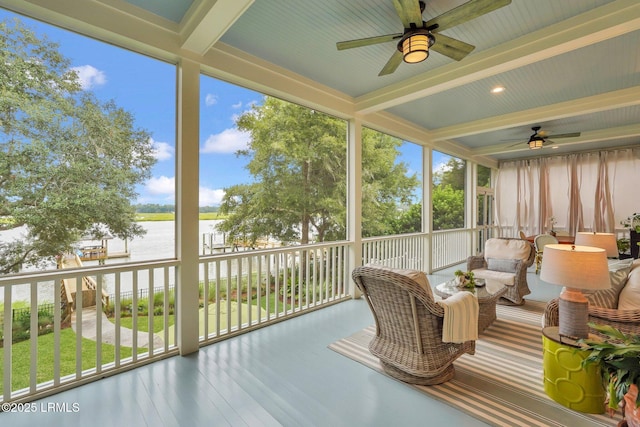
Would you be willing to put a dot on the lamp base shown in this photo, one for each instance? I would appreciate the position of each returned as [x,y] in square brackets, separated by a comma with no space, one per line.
[573,313]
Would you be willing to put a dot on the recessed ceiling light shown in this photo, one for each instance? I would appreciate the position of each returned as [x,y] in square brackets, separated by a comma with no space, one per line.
[497,89]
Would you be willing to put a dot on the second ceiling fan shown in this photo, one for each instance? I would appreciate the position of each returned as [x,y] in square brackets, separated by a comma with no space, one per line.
[418,36]
[540,138]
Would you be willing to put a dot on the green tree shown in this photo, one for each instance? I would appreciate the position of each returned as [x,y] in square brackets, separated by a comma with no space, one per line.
[409,220]
[448,208]
[297,157]
[68,162]
[448,195]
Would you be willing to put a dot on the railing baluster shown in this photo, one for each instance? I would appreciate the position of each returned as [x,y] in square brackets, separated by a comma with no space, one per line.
[117,313]
[57,327]
[33,332]
[150,309]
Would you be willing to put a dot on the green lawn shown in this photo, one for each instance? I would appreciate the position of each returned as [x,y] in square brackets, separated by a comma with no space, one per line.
[21,357]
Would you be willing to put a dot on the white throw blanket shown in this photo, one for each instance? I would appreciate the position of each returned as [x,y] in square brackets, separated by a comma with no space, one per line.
[460,322]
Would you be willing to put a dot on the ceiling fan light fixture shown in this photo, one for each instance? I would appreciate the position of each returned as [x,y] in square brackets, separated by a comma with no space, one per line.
[535,143]
[415,46]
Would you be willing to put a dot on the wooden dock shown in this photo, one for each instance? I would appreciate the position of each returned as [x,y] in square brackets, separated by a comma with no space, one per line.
[88,286]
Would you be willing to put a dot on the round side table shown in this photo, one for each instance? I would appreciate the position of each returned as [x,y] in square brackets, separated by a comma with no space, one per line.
[565,380]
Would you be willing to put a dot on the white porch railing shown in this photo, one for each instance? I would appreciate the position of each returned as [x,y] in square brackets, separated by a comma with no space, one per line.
[239,291]
[448,247]
[245,290]
[44,352]
[400,251]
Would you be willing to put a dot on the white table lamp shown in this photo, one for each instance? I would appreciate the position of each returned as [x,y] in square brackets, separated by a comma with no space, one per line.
[576,268]
[606,241]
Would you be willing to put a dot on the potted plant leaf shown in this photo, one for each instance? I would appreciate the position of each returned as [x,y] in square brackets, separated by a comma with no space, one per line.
[632,222]
[619,360]
[465,279]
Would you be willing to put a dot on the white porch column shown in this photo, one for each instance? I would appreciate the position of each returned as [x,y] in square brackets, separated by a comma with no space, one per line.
[471,195]
[354,199]
[187,179]
[427,208]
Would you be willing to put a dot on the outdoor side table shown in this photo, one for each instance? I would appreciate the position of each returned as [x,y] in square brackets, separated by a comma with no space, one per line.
[565,380]
[487,296]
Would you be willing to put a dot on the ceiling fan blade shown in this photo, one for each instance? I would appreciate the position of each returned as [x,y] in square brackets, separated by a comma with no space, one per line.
[465,12]
[453,48]
[367,41]
[564,135]
[521,142]
[409,12]
[392,64]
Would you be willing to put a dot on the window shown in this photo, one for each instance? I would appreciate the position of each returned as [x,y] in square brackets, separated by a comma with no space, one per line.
[274,171]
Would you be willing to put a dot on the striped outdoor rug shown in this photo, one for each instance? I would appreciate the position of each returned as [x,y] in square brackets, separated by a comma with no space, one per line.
[502,383]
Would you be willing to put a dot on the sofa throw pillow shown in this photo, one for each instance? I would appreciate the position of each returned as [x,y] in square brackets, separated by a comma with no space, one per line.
[608,298]
[504,265]
[630,294]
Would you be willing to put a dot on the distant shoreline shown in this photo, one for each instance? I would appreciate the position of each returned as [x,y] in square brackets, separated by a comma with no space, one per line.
[168,216]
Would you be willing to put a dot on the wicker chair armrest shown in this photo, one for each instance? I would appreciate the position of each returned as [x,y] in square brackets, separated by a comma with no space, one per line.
[433,307]
[476,261]
[612,314]
[551,316]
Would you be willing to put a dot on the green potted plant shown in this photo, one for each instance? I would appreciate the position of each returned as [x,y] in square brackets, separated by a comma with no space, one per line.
[623,247]
[632,222]
[619,360]
[465,279]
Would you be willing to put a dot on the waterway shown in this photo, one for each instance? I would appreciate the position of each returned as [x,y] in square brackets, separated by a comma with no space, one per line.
[157,243]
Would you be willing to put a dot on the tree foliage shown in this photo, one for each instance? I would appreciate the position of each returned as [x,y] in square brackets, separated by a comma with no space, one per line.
[448,195]
[68,162]
[297,158]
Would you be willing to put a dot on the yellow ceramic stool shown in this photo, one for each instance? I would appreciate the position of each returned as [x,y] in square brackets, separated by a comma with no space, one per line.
[565,381]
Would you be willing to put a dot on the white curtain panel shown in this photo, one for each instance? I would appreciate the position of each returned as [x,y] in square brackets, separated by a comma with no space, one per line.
[582,192]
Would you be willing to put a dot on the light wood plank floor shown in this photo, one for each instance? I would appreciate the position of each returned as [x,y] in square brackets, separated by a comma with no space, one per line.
[280,375]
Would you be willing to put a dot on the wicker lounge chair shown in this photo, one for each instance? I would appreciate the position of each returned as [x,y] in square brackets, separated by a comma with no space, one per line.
[505,260]
[408,322]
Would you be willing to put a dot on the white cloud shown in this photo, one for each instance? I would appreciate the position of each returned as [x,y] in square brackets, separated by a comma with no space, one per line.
[161,185]
[227,141]
[162,150]
[441,167]
[90,76]
[236,106]
[210,197]
[165,186]
[210,100]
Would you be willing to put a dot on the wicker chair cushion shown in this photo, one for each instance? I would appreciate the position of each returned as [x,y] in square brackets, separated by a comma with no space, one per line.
[507,249]
[508,279]
[504,265]
[608,298]
[630,294]
[416,275]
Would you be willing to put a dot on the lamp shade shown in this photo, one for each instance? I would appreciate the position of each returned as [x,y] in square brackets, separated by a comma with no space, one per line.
[606,241]
[579,267]
[415,45]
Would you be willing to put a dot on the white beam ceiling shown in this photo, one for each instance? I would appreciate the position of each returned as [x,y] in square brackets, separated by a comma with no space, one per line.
[204,27]
[605,22]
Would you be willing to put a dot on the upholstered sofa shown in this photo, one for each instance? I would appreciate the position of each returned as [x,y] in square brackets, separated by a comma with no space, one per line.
[505,260]
[618,306]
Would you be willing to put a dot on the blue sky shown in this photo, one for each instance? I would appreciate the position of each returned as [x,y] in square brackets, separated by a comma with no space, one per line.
[146,87]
